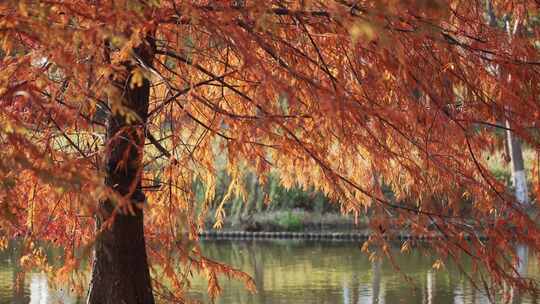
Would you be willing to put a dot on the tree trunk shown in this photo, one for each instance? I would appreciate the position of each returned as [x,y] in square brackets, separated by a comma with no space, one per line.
[513,144]
[519,178]
[120,271]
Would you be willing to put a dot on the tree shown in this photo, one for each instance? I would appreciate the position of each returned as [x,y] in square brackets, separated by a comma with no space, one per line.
[120,249]
[324,91]
[514,147]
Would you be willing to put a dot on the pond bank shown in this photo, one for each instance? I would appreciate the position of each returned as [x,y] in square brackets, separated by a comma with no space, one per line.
[307,225]
[321,235]
[295,220]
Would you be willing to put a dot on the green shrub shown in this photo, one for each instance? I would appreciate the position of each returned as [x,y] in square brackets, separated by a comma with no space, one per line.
[291,222]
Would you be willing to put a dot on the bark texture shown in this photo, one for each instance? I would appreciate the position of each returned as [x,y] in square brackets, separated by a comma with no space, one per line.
[120,271]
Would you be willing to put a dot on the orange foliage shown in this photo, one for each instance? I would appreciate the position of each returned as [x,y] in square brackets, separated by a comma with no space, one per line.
[327,92]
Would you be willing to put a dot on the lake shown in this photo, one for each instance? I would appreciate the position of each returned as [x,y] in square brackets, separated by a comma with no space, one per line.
[293,271]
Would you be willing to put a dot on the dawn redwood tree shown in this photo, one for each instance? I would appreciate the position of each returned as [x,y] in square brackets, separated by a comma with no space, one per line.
[341,96]
[120,250]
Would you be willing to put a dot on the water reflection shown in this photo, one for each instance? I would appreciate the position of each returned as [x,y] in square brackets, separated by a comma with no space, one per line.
[522,253]
[310,272]
[40,293]
[430,282]
[297,272]
[17,287]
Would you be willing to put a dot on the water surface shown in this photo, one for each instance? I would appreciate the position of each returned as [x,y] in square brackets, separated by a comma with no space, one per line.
[297,272]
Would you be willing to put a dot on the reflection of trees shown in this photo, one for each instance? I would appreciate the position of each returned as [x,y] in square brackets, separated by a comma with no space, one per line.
[39,289]
[366,293]
[522,253]
[18,276]
[287,271]
[465,293]
[18,287]
[21,287]
[430,287]
[297,272]
[376,286]
[458,294]
[257,260]
[336,272]
[41,293]
[354,295]
[345,290]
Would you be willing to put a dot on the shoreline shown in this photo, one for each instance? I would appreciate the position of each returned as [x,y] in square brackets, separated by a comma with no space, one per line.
[316,236]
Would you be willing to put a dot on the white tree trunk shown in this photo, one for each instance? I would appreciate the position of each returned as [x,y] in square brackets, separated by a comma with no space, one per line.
[519,177]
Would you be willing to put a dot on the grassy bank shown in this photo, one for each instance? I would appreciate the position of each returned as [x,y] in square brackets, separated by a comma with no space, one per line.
[294,220]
